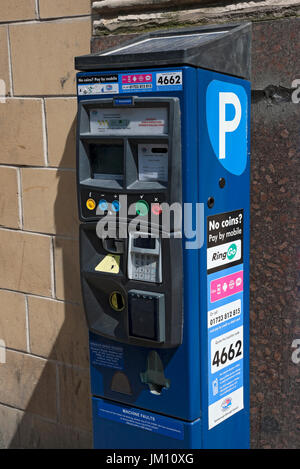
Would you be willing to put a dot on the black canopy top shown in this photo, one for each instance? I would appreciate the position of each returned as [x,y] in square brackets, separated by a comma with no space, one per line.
[222,48]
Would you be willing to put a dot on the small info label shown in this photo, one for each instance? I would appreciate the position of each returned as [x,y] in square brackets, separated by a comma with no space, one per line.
[153,162]
[109,356]
[129,121]
[142,419]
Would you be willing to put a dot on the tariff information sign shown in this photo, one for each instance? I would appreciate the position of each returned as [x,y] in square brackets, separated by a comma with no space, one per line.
[225,316]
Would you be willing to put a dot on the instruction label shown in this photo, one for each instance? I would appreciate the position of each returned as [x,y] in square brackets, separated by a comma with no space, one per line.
[129,121]
[225,312]
[225,347]
[110,356]
[224,240]
[153,161]
[142,419]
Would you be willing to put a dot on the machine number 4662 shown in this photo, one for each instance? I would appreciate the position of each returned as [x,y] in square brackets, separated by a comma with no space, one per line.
[171,78]
[227,354]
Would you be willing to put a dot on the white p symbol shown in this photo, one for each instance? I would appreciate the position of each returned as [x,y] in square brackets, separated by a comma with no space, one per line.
[224,125]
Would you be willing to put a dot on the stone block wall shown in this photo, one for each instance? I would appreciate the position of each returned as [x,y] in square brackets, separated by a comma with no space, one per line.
[44,384]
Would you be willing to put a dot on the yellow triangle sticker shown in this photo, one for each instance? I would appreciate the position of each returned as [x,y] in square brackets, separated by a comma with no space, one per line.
[110,264]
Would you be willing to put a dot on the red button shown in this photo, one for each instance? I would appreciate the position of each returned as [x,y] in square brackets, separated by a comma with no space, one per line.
[156,209]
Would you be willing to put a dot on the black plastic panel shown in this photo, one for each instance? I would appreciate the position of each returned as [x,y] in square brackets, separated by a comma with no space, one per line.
[221,48]
[165,330]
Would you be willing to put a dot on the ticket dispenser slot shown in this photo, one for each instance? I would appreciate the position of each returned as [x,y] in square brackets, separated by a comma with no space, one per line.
[154,375]
[115,246]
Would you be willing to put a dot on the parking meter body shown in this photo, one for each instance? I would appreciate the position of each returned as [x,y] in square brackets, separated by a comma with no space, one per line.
[163,163]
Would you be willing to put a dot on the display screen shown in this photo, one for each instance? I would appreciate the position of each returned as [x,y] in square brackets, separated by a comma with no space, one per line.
[106,160]
[144,243]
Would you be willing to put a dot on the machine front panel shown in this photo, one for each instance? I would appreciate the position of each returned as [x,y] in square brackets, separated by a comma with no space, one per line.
[133,286]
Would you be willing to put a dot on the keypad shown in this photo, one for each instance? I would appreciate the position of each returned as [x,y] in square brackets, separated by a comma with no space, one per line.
[145,267]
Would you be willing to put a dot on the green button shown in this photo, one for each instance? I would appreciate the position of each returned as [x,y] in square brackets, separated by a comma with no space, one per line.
[142,208]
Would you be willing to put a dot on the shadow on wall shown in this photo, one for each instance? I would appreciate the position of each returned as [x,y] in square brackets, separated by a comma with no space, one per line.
[58,414]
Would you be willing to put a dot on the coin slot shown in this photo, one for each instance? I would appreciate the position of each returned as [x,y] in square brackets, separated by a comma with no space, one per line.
[117,301]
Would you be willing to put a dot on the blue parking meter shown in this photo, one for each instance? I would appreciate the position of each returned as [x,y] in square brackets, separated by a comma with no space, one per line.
[163,198]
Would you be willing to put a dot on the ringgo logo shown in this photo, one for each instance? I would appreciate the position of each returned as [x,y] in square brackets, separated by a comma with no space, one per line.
[224,254]
[232,250]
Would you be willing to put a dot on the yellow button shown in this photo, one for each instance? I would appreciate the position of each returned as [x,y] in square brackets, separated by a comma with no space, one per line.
[91,204]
